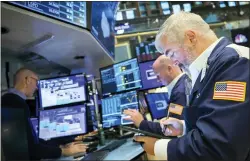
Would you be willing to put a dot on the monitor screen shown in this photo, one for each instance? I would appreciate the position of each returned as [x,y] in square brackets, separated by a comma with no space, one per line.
[73,12]
[241,36]
[148,78]
[121,77]
[34,122]
[103,23]
[62,122]
[187,7]
[61,91]
[158,104]
[231,4]
[176,8]
[113,107]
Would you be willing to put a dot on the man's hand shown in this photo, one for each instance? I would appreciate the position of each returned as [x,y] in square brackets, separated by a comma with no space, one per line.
[81,137]
[73,148]
[135,116]
[174,127]
[148,143]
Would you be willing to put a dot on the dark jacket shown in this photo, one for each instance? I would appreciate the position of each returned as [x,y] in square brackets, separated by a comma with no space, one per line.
[36,150]
[218,129]
[178,96]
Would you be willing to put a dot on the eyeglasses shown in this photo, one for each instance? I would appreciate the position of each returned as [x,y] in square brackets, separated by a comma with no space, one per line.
[36,80]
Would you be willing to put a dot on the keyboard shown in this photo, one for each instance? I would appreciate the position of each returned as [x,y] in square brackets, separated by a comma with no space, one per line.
[102,153]
[113,145]
[98,155]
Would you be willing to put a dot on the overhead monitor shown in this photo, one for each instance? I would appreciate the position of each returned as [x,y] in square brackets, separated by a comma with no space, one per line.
[113,107]
[164,5]
[62,122]
[120,77]
[241,36]
[103,24]
[231,3]
[62,90]
[187,7]
[222,4]
[176,8]
[73,12]
[148,77]
[244,3]
[119,16]
[158,104]
[130,14]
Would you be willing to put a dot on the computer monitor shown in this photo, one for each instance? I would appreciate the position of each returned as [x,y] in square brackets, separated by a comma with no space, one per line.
[148,78]
[34,122]
[62,90]
[241,36]
[113,107]
[120,77]
[158,104]
[61,122]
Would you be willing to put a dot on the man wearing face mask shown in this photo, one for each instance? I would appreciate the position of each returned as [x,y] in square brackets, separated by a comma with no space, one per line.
[25,84]
[218,115]
[170,75]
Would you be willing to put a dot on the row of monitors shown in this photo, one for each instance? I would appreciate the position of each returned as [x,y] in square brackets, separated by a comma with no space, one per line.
[113,107]
[120,77]
[128,75]
[71,120]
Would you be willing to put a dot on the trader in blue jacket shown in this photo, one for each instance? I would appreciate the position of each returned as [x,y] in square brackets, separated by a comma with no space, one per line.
[171,75]
[217,119]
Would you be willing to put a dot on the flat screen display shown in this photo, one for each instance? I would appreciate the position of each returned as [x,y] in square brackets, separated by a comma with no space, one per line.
[148,78]
[113,107]
[103,24]
[73,12]
[62,122]
[158,104]
[121,77]
[62,91]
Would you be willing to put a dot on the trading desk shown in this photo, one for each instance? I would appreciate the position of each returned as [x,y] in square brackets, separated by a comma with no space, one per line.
[127,151]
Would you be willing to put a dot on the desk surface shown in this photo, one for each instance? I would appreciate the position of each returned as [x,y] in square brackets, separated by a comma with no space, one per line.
[127,151]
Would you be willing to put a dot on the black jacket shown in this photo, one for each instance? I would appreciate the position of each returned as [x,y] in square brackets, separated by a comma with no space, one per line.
[36,150]
[178,96]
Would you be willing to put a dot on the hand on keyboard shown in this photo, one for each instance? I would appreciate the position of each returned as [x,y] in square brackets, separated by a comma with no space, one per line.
[73,149]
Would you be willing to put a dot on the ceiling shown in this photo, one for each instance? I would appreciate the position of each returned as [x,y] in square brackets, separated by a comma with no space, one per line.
[69,41]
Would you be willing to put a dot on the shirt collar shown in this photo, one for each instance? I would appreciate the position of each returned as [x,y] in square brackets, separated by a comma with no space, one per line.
[172,84]
[201,62]
[17,92]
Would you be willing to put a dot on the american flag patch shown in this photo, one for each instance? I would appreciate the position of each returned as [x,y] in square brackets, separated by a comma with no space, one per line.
[176,109]
[230,90]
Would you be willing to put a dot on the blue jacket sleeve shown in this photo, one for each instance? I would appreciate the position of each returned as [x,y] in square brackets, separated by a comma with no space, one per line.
[149,126]
[222,128]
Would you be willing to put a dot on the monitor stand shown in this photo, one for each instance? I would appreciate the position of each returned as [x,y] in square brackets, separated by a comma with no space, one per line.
[124,134]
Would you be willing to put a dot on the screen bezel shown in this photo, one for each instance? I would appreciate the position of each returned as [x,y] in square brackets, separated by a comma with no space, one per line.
[96,37]
[88,15]
[106,67]
[62,105]
[101,112]
[149,108]
[144,89]
[74,135]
